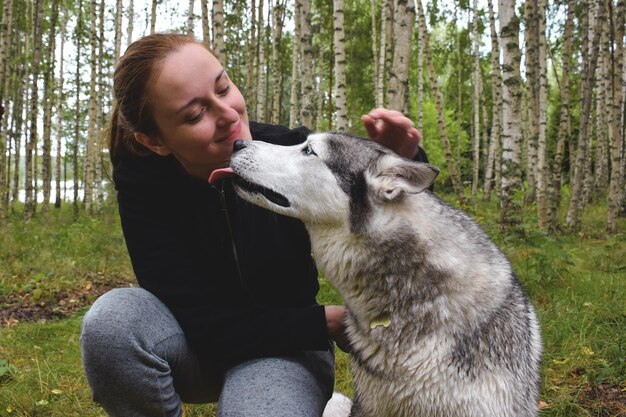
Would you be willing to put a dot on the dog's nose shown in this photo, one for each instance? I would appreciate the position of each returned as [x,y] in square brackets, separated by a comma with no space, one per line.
[239,145]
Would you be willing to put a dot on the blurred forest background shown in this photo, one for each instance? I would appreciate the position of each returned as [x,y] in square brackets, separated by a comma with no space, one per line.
[518,101]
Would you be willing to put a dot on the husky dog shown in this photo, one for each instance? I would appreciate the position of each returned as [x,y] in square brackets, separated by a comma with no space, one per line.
[438,323]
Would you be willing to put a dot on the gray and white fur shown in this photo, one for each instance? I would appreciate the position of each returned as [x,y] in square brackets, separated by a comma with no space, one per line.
[438,322]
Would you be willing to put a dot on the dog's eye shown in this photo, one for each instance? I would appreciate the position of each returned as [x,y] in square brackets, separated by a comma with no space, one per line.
[308,150]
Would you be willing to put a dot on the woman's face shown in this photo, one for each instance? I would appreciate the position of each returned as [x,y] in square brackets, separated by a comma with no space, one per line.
[198,110]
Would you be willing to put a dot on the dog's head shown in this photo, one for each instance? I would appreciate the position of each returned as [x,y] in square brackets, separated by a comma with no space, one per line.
[332,178]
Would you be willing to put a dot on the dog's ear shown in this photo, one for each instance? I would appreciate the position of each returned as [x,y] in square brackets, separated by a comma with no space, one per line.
[392,176]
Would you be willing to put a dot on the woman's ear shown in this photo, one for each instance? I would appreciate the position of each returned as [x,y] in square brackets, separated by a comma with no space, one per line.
[153,143]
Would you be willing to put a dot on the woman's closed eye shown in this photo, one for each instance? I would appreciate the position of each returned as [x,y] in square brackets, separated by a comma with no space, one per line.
[197,117]
[224,91]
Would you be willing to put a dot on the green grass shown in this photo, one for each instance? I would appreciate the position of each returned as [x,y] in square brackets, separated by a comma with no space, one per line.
[577,282]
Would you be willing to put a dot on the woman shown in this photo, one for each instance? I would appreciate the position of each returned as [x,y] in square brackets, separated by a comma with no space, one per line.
[226,307]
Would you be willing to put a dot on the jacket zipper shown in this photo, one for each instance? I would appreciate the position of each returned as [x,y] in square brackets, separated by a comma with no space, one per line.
[224,207]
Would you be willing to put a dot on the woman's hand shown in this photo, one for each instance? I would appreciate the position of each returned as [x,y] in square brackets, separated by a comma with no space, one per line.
[393,130]
[335,316]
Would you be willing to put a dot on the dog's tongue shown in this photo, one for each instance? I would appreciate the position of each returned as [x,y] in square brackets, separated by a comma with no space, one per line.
[220,173]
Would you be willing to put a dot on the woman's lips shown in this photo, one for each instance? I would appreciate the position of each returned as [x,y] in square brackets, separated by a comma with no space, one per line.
[233,135]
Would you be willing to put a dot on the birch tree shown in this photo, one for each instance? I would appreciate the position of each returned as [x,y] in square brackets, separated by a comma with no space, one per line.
[279,17]
[453,170]
[589,69]
[475,100]
[542,146]
[153,16]
[79,28]
[306,50]
[261,82]
[340,67]
[190,18]
[564,116]
[91,131]
[375,66]
[294,97]
[117,43]
[219,47]
[398,84]
[510,215]
[531,40]
[496,95]
[46,173]
[206,33]
[616,186]
[59,112]
[131,19]
[385,51]
[31,144]
[5,35]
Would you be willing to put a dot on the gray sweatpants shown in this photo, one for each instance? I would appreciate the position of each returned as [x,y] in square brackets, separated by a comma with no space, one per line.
[138,364]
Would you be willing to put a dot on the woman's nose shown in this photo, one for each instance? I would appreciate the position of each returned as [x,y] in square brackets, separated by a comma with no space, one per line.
[225,114]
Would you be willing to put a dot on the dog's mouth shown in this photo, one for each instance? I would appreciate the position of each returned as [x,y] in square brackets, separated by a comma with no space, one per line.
[270,195]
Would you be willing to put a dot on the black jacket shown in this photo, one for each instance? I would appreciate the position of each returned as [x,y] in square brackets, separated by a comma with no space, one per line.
[239,279]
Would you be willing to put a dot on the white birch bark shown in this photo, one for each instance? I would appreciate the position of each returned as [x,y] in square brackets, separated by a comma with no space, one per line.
[341,105]
[398,84]
[542,173]
[576,205]
[294,97]
[510,216]
[306,50]
[31,144]
[475,101]
[219,46]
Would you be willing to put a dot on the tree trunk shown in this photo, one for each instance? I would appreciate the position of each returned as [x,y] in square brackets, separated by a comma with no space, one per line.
[261,84]
[616,187]
[251,64]
[604,119]
[31,144]
[131,18]
[119,8]
[398,85]
[47,113]
[564,122]
[219,47]
[306,50]
[542,173]
[5,35]
[340,68]
[475,102]
[279,17]
[510,214]
[206,31]
[453,170]
[90,151]
[375,66]
[420,77]
[385,52]
[59,112]
[190,18]
[153,16]
[294,97]
[531,35]
[496,94]
[77,110]
[576,203]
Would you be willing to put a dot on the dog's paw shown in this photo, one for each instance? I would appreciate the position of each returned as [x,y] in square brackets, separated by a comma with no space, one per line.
[338,406]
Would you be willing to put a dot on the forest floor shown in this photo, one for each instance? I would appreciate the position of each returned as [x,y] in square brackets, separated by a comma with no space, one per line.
[52,269]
